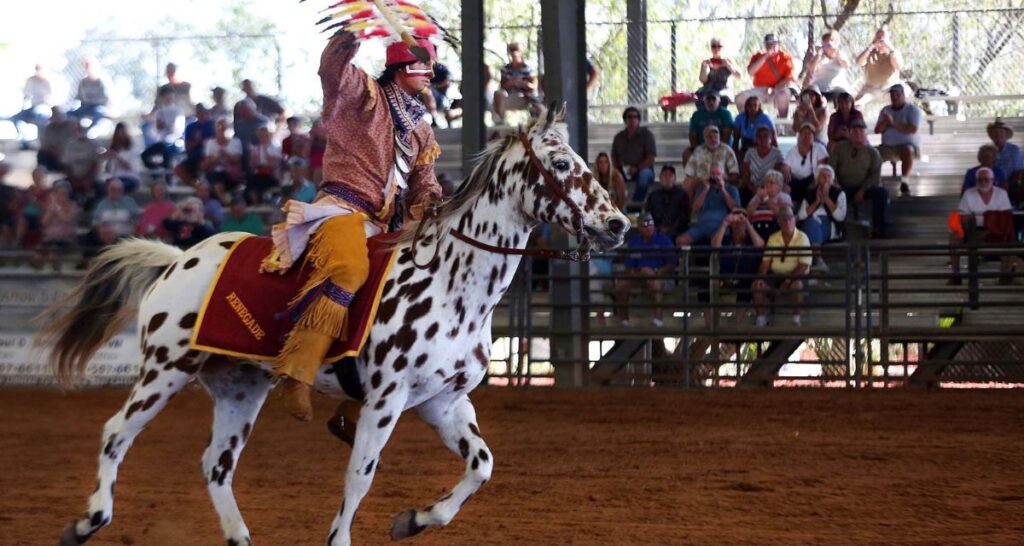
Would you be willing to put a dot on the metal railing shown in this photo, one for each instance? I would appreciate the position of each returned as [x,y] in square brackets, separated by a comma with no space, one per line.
[879,309]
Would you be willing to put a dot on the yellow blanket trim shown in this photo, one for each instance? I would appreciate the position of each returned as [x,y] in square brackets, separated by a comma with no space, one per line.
[429,156]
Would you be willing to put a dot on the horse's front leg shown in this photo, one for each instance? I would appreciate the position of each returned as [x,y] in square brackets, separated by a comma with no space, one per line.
[381,410]
[455,422]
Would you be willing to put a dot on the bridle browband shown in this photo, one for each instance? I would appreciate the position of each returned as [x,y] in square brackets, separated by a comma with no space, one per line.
[579,254]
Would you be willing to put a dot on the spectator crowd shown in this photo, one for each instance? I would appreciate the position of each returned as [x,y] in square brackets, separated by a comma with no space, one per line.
[769,212]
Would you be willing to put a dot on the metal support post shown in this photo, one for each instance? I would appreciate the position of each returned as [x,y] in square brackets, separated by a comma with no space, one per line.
[474,103]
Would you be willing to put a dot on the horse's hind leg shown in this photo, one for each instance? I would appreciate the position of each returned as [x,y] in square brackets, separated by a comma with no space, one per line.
[164,372]
[238,392]
[455,422]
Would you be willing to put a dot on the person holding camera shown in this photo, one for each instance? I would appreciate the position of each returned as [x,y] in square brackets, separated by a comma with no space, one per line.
[882,63]
[812,109]
[188,225]
[772,72]
[713,199]
[821,212]
[633,153]
[740,253]
[826,67]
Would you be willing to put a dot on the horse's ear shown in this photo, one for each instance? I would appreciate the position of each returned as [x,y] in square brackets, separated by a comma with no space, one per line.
[560,116]
[552,111]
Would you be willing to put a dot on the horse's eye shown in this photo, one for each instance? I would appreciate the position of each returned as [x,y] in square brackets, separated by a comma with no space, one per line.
[561,164]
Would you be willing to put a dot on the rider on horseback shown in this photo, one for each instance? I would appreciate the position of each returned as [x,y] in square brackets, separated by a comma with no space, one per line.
[379,150]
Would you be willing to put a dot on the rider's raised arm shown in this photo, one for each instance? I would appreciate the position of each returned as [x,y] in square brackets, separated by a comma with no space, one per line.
[341,80]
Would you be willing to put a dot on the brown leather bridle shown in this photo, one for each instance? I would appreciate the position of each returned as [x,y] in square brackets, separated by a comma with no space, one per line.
[579,254]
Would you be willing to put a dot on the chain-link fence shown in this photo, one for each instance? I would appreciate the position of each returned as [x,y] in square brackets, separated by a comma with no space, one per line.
[949,52]
[953,49]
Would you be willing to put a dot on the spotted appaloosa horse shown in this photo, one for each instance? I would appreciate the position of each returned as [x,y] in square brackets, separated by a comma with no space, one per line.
[428,348]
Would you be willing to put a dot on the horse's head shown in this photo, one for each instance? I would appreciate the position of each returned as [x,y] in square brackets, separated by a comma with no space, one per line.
[560,188]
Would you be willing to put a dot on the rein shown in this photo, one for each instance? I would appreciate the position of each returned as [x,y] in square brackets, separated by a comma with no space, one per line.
[580,254]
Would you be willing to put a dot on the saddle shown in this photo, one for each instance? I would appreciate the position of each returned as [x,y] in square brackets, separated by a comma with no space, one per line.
[245,313]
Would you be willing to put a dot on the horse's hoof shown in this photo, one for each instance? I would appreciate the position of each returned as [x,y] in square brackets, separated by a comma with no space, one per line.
[405,526]
[70,536]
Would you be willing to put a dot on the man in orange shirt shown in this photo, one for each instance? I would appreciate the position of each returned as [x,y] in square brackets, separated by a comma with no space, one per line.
[772,71]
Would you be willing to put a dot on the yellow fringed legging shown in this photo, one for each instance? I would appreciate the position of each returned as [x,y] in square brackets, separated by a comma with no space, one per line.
[338,255]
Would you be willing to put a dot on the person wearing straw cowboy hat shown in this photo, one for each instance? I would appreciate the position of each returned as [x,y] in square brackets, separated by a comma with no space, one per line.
[365,181]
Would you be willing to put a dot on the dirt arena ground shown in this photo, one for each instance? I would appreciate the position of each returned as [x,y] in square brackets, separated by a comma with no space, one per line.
[573,467]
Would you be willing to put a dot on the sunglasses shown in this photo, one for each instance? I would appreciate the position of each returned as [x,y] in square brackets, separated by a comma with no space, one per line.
[716,47]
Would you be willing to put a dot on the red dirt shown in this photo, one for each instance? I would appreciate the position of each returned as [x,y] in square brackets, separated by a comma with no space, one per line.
[573,467]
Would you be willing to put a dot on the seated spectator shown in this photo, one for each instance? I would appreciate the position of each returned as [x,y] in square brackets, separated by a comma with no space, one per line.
[445,108]
[651,257]
[1009,159]
[266,167]
[296,144]
[120,160]
[668,205]
[159,208]
[610,180]
[822,213]
[317,147]
[212,208]
[204,128]
[633,153]
[858,168]
[882,64]
[222,161]
[60,220]
[8,207]
[802,161]
[987,155]
[976,209]
[826,67]
[54,139]
[219,110]
[518,89]
[772,71]
[839,122]
[758,162]
[898,124]
[811,108]
[713,199]
[91,96]
[747,124]
[265,106]
[786,260]
[711,153]
[715,73]
[31,204]
[239,219]
[247,120]
[36,105]
[302,188]
[740,254]
[187,225]
[169,121]
[114,216]
[82,163]
[713,113]
[765,205]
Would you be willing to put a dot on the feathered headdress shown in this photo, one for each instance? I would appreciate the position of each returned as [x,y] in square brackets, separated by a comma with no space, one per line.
[401,19]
